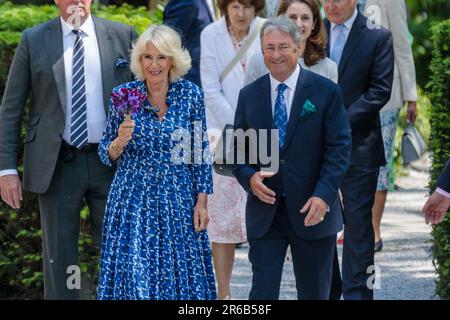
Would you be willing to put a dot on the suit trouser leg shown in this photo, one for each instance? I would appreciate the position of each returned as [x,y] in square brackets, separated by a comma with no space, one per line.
[336,282]
[312,259]
[358,189]
[60,210]
[313,264]
[97,194]
[267,256]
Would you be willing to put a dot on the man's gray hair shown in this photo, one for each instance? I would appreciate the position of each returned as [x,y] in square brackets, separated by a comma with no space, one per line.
[281,23]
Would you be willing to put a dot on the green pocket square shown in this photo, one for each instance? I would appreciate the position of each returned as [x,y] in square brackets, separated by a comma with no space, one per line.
[308,108]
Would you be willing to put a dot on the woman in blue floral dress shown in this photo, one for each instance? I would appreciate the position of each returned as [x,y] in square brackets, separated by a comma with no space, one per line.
[154,241]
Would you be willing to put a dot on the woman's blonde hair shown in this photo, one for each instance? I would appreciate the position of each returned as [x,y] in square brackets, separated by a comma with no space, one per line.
[168,42]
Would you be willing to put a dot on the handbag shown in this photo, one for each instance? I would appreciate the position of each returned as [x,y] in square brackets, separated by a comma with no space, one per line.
[413,145]
[222,153]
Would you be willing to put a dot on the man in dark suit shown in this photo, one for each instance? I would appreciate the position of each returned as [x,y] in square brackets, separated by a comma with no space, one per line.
[438,204]
[365,58]
[189,18]
[298,205]
[70,65]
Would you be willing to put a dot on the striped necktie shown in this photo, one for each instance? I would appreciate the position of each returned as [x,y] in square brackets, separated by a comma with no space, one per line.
[78,128]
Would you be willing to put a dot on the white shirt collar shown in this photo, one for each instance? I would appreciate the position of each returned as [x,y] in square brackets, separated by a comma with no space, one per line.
[349,23]
[291,81]
[87,27]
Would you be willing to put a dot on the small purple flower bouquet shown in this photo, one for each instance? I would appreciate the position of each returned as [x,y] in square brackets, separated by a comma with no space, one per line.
[128,101]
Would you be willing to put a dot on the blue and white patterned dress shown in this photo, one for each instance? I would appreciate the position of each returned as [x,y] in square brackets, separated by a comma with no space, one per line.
[150,249]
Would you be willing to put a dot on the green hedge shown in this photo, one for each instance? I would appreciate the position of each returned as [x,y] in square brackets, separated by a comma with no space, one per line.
[440,145]
[20,234]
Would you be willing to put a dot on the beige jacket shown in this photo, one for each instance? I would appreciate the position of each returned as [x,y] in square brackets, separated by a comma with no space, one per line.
[391,14]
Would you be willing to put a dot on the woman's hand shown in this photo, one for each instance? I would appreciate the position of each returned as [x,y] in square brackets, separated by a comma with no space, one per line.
[201,217]
[125,133]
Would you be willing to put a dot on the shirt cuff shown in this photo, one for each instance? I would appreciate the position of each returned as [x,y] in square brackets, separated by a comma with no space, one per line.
[7,172]
[443,192]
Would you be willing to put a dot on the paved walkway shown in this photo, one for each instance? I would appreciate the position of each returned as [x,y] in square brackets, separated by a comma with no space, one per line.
[405,263]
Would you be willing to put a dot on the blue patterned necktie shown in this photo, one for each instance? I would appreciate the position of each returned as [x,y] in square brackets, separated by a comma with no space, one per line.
[78,128]
[280,117]
[339,44]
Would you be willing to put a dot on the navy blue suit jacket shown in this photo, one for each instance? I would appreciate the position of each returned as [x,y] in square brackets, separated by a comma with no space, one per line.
[189,18]
[313,161]
[366,71]
[444,179]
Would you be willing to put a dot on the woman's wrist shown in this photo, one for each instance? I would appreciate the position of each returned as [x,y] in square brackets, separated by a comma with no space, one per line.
[202,199]
[116,148]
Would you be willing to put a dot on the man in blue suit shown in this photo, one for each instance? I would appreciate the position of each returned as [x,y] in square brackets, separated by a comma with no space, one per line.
[364,54]
[189,18]
[438,204]
[298,205]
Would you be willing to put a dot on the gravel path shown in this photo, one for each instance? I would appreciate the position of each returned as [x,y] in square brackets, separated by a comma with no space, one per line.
[405,263]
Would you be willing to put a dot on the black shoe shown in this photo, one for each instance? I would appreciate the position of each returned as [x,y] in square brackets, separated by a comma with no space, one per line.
[378,246]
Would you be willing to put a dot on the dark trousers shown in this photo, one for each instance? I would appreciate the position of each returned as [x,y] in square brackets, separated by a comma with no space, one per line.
[312,260]
[336,282]
[358,190]
[84,178]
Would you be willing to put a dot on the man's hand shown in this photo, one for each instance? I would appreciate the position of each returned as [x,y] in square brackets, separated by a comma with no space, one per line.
[260,190]
[316,208]
[411,112]
[435,208]
[11,190]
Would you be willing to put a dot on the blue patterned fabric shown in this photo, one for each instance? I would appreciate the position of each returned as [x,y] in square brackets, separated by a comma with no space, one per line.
[389,120]
[280,117]
[150,249]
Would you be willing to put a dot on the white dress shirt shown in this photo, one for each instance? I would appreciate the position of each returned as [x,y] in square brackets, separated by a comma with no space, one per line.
[289,93]
[348,26]
[96,117]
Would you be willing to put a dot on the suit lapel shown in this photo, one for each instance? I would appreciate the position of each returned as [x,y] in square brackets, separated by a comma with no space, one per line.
[301,94]
[266,112]
[208,9]
[106,49]
[55,51]
[353,39]
[328,26]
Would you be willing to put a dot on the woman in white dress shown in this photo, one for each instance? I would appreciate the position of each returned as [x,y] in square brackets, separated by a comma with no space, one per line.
[220,42]
[306,14]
